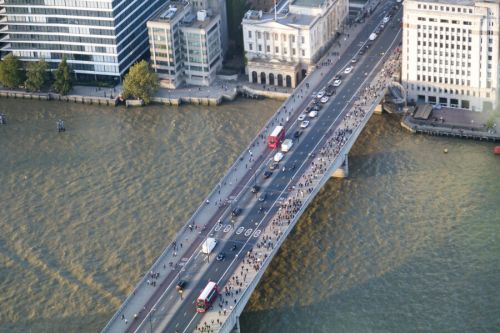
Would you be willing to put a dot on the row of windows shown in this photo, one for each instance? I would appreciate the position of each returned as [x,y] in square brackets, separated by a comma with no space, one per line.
[445,8]
[446,21]
[276,49]
[58,29]
[276,36]
[439,79]
[443,70]
[61,38]
[447,29]
[441,45]
[62,47]
[445,37]
[62,3]
[60,20]
[53,11]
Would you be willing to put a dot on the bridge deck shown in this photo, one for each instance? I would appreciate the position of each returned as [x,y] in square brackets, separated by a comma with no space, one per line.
[155,304]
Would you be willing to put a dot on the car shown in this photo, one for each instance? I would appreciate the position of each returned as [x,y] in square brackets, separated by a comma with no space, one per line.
[361,52]
[278,156]
[337,83]
[262,197]
[317,107]
[386,19]
[304,124]
[302,117]
[234,247]
[308,108]
[382,26]
[313,114]
[273,166]
[320,94]
[325,99]
[337,77]
[348,70]
[255,188]
[367,46]
[236,212]
[181,285]
[297,134]
[221,256]
[267,174]
[354,60]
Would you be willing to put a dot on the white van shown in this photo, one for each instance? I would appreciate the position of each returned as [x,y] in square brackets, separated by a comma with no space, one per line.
[208,245]
[286,145]
[373,36]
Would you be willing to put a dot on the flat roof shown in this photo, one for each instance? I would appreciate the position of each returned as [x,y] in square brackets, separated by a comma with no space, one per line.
[308,3]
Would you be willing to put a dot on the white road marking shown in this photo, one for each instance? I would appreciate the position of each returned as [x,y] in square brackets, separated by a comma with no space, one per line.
[228,228]
[240,230]
[248,232]
[257,233]
[218,227]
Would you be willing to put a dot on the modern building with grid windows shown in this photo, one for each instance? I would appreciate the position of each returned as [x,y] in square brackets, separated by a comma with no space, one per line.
[450,53]
[100,38]
[185,45]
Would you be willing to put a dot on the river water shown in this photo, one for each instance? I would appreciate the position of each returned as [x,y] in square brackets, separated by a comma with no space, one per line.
[408,243]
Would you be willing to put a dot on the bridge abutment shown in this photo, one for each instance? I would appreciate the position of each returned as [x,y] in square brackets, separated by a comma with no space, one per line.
[343,171]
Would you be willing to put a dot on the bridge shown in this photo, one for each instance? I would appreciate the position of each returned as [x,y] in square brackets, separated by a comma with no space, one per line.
[250,227]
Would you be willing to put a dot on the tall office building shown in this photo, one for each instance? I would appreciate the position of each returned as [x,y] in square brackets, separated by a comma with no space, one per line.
[280,49]
[100,38]
[185,45]
[450,53]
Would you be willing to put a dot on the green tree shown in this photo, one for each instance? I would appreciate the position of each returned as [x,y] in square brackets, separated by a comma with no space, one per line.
[62,78]
[36,75]
[140,82]
[11,72]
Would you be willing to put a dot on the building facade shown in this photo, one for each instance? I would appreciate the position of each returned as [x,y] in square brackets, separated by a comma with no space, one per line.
[3,29]
[450,53]
[280,49]
[100,38]
[185,45]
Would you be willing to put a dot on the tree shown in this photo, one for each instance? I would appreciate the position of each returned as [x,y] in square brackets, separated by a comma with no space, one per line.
[62,76]
[36,75]
[140,82]
[11,72]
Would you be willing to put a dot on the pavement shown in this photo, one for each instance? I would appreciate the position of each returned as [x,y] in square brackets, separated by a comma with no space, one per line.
[154,303]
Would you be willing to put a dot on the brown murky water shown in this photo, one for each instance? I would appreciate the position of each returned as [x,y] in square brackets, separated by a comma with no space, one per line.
[409,242]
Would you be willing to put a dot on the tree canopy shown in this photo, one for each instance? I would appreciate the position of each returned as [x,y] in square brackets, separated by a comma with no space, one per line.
[62,78]
[36,75]
[140,82]
[11,72]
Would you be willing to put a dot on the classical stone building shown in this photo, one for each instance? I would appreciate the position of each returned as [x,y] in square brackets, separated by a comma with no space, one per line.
[450,53]
[281,47]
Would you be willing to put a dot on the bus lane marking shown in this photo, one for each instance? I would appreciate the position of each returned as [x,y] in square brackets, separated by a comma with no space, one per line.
[240,230]
[257,233]
[228,228]
[248,232]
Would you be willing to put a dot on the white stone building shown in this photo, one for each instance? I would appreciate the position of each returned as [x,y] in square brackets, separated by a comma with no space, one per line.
[185,45]
[280,49]
[450,53]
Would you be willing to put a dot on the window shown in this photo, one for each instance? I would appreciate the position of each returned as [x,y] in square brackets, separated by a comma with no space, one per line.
[250,46]
[260,48]
[303,39]
[268,48]
[249,34]
[277,49]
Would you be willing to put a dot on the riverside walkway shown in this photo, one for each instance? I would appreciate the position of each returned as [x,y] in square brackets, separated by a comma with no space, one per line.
[155,305]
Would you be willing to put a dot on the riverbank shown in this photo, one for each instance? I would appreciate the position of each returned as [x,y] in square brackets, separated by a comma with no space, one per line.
[453,123]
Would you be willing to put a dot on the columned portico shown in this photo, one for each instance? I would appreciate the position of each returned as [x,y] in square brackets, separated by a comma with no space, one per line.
[274,73]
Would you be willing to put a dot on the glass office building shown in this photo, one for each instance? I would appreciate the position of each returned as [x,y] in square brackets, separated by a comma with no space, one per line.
[100,38]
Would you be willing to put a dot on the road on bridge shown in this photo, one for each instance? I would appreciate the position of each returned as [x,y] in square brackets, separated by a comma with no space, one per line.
[170,313]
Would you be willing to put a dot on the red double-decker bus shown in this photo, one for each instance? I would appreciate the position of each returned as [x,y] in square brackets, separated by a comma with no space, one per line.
[207,297]
[275,138]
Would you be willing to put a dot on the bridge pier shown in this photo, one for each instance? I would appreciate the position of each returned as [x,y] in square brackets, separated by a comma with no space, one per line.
[236,328]
[343,171]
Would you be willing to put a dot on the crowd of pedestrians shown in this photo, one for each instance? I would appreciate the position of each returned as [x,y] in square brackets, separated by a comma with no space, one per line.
[297,197]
